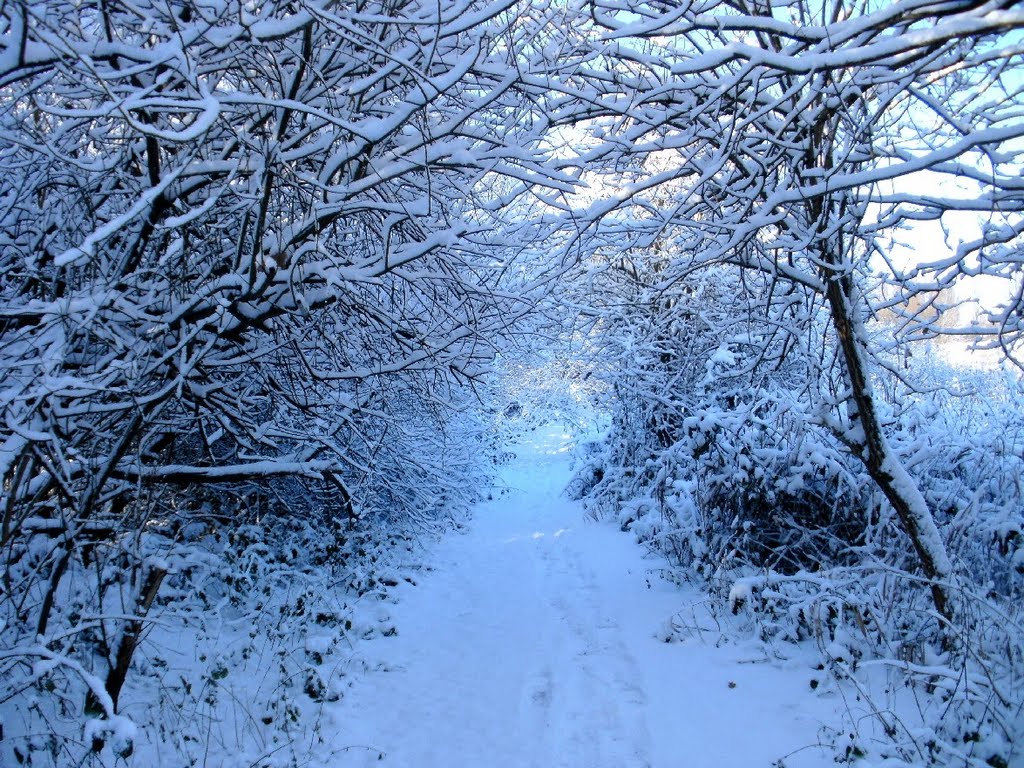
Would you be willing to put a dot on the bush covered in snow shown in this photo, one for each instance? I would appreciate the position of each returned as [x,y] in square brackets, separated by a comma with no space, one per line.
[253,627]
[761,503]
[218,618]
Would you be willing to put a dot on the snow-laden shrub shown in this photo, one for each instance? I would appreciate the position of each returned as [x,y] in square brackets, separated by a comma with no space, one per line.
[241,603]
[909,700]
[253,629]
[753,482]
[282,604]
[752,495]
[730,477]
[964,439]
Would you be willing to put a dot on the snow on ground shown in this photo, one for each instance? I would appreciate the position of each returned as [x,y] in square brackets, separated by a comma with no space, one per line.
[535,641]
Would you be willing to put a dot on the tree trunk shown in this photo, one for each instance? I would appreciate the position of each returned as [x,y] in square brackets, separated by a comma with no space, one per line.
[132,633]
[882,463]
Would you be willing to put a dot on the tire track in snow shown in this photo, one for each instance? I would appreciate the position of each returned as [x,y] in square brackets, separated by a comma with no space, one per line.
[531,644]
[600,720]
[504,656]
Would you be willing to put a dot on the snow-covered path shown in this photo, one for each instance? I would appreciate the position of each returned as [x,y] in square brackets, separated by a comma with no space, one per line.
[534,642]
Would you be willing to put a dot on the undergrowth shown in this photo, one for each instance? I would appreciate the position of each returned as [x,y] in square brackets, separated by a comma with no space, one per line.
[754,500]
[254,630]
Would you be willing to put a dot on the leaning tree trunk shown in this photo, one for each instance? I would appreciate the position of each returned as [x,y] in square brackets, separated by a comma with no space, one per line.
[882,463]
[830,214]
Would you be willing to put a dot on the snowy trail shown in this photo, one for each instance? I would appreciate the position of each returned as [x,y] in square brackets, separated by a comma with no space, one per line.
[533,643]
